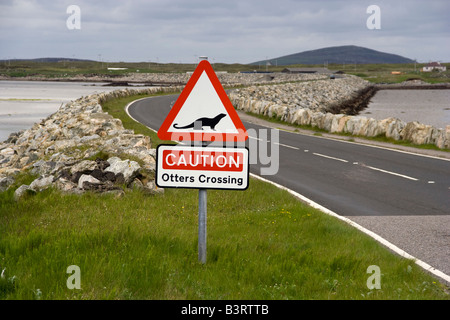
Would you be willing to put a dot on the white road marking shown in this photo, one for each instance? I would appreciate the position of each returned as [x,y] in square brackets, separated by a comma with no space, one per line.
[328,157]
[392,173]
[287,146]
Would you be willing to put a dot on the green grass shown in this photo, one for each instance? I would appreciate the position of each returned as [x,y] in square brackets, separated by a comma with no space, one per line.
[262,244]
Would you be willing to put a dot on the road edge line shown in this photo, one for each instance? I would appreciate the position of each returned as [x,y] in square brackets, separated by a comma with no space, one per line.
[372,234]
[126,110]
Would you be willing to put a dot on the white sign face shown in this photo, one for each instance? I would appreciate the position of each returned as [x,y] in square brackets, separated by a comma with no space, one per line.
[202,167]
[203,105]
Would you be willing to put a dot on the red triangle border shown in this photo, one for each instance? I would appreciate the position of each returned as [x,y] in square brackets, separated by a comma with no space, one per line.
[165,134]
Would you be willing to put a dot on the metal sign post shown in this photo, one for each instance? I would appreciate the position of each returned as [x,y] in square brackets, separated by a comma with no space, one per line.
[202,208]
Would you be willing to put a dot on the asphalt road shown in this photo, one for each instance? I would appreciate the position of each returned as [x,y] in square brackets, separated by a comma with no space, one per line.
[403,197]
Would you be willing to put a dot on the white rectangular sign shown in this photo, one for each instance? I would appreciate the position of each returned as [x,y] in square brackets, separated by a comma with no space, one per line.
[202,167]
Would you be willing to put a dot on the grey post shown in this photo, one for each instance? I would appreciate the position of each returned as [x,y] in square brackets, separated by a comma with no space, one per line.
[202,225]
[202,205]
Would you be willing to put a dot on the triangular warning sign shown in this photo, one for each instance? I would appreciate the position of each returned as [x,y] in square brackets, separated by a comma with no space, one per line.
[203,111]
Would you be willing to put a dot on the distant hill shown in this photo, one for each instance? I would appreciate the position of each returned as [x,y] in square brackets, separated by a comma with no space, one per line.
[340,55]
[45,60]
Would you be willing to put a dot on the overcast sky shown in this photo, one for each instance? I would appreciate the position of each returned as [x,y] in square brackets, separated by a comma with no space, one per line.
[225,30]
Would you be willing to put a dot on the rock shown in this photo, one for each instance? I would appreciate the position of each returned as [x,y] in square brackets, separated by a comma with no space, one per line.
[152,188]
[85,165]
[42,167]
[113,160]
[7,152]
[85,178]
[136,184]
[327,121]
[316,120]
[65,185]
[336,124]
[89,138]
[5,182]
[99,187]
[394,128]
[373,128]
[129,169]
[22,191]
[419,133]
[41,183]
[443,139]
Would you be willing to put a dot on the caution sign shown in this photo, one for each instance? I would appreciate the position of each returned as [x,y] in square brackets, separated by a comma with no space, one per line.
[203,111]
[202,167]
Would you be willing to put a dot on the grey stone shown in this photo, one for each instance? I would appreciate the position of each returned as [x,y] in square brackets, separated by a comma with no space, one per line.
[129,169]
[89,138]
[42,183]
[5,182]
[21,191]
[87,178]
[65,185]
[7,152]
[85,165]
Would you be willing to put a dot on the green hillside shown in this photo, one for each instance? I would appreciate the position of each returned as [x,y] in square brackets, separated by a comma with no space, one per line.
[339,55]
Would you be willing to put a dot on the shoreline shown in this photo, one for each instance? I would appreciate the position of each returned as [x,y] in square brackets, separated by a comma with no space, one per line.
[356,105]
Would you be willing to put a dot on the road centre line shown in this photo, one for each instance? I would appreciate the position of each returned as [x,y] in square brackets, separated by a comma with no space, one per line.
[280,144]
[287,146]
[369,167]
[392,173]
[328,157]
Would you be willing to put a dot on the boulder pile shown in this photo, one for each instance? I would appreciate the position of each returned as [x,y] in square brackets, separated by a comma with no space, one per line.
[80,148]
[331,105]
[321,95]
[226,79]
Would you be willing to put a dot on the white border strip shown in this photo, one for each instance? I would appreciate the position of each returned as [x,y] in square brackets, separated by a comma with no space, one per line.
[383,241]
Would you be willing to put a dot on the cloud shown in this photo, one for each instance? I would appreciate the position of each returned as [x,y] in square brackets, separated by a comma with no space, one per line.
[228,31]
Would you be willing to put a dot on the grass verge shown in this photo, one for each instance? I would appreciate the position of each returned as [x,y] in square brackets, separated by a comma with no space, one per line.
[262,244]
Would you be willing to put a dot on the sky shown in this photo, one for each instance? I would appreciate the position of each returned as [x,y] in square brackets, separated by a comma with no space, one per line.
[228,31]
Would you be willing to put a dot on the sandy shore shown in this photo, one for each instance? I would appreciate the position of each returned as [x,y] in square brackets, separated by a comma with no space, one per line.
[23,103]
[426,106]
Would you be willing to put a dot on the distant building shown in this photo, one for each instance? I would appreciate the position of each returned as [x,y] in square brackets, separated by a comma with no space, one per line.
[307,70]
[434,66]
